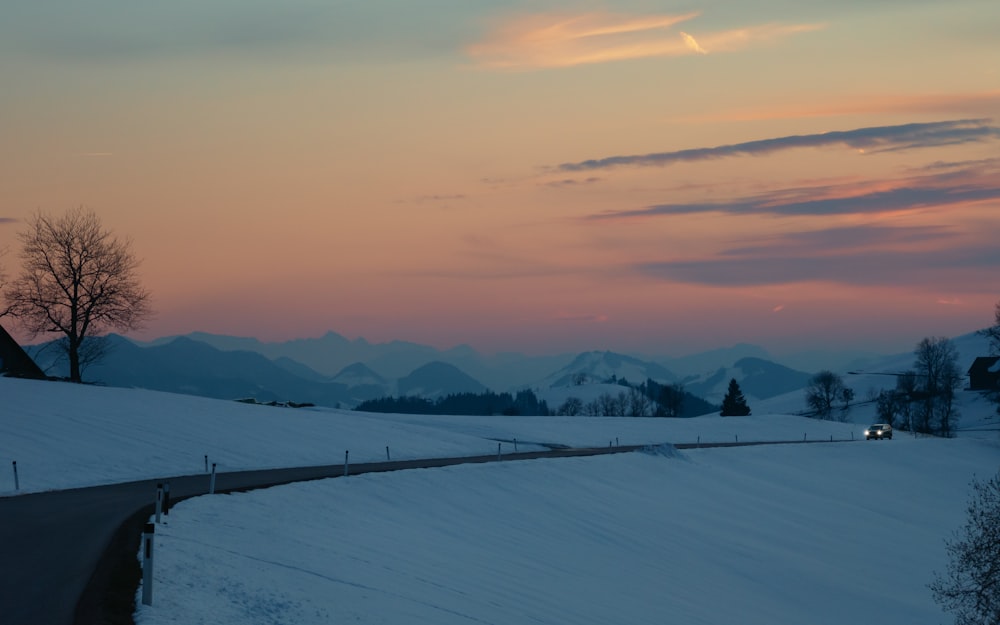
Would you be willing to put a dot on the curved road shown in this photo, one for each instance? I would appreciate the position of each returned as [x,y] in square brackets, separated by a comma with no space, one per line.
[66,557]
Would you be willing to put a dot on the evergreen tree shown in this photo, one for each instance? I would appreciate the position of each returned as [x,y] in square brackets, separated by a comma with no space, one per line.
[734,404]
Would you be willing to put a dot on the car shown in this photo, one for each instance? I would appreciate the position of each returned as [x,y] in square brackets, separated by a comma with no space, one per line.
[878,431]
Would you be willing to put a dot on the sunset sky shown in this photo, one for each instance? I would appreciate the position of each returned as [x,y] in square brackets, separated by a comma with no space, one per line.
[544,176]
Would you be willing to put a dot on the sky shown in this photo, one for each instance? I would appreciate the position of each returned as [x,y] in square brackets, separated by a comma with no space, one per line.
[628,537]
[548,176]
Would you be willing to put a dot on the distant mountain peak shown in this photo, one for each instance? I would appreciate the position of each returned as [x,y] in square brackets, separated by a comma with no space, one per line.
[359,374]
[437,379]
[599,366]
[758,379]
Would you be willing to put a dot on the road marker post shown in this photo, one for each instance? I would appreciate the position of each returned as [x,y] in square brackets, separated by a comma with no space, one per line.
[498,452]
[387,453]
[17,482]
[211,482]
[166,498]
[347,466]
[147,564]
[159,502]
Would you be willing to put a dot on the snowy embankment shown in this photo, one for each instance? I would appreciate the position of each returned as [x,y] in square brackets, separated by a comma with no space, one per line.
[819,534]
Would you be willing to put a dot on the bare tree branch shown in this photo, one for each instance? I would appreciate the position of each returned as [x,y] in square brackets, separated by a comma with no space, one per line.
[971,586]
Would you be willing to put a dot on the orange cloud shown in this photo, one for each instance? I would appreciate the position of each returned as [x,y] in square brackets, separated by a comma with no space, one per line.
[741,38]
[548,40]
[691,43]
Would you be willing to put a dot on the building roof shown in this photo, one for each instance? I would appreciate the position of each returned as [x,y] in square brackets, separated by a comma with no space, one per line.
[14,361]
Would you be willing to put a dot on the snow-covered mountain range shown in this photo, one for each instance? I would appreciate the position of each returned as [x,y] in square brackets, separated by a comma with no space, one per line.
[234,367]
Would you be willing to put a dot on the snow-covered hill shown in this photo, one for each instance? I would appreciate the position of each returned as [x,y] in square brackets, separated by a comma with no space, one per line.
[359,374]
[758,379]
[437,379]
[602,367]
[974,409]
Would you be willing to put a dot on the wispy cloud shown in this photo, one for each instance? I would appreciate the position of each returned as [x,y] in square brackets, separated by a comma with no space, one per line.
[869,268]
[440,197]
[563,40]
[845,239]
[903,198]
[936,190]
[876,138]
[572,182]
[865,255]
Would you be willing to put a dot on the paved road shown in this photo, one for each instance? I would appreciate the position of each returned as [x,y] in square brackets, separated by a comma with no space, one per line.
[63,552]
[51,543]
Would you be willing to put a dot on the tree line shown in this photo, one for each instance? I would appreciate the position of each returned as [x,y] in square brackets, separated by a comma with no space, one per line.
[648,399]
[523,402]
[922,400]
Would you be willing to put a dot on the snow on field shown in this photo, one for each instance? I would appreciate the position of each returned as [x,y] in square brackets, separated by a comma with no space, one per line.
[65,435]
[824,533]
[819,534]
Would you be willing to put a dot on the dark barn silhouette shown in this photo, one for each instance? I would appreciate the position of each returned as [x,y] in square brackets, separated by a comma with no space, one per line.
[14,361]
[984,374]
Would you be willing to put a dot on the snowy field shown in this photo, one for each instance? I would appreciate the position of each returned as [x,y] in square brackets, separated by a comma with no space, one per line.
[818,534]
[825,533]
[65,435]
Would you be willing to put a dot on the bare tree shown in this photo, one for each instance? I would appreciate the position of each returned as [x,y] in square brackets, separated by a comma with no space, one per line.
[620,404]
[906,389]
[77,280]
[571,407]
[825,388]
[608,405]
[889,407]
[971,587]
[671,400]
[639,404]
[938,376]
[993,332]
